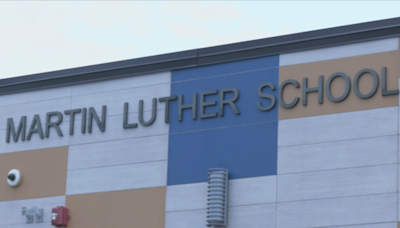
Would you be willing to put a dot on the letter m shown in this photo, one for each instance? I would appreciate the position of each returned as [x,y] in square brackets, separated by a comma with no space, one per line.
[11,129]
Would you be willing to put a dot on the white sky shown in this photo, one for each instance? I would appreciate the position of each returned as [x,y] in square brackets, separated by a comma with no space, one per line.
[45,36]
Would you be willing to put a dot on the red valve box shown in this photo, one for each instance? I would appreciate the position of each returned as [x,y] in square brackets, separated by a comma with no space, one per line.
[59,216]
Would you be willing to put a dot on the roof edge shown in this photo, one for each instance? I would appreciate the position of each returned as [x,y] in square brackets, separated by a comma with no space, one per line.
[206,56]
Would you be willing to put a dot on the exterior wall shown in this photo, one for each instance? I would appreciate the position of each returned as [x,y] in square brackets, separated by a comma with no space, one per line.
[319,165]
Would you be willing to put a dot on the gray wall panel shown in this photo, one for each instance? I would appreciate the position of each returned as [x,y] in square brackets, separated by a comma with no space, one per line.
[245,191]
[114,178]
[185,219]
[32,108]
[336,127]
[186,197]
[122,83]
[115,131]
[114,100]
[253,216]
[34,96]
[379,225]
[338,211]
[10,211]
[337,155]
[35,142]
[337,183]
[128,151]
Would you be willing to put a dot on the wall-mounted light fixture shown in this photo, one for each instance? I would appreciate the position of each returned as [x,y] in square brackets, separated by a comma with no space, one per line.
[14,177]
[217,198]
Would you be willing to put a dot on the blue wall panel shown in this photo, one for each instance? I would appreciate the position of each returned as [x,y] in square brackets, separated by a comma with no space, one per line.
[246,144]
[246,151]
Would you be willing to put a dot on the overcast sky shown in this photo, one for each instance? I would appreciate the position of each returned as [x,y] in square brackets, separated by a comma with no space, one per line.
[45,36]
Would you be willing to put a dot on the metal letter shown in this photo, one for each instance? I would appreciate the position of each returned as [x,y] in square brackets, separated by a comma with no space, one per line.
[153,113]
[267,96]
[11,129]
[346,90]
[223,102]
[384,84]
[32,129]
[315,89]
[193,106]
[72,119]
[167,102]
[374,88]
[126,113]
[101,124]
[280,91]
[204,104]
[83,124]
[53,124]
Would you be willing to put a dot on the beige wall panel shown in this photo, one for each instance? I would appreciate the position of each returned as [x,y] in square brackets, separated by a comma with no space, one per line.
[44,173]
[350,66]
[122,209]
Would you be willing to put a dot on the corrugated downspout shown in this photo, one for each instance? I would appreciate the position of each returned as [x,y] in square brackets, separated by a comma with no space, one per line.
[217,198]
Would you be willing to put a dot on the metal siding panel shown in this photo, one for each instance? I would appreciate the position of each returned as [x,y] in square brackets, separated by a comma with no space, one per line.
[246,151]
[337,52]
[338,155]
[114,130]
[32,108]
[114,100]
[35,96]
[118,152]
[253,216]
[245,191]
[115,178]
[35,142]
[186,197]
[225,68]
[121,83]
[379,225]
[338,211]
[233,141]
[185,219]
[337,183]
[336,127]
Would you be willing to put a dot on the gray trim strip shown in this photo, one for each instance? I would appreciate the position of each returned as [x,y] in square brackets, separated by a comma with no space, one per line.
[206,56]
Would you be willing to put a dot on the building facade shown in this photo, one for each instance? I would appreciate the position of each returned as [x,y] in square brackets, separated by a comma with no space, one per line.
[307,126]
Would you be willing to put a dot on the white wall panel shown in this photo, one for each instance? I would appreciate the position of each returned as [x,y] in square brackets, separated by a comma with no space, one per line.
[338,211]
[337,183]
[255,190]
[114,178]
[114,100]
[336,127]
[32,108]
[186,197]
[376,225]
[34,96]
[11,211]
[115,131]
[36,142]
[244,191]
[185,219]
[118,152]
[253,216]
[122,83]
[338,155]
[342,51]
